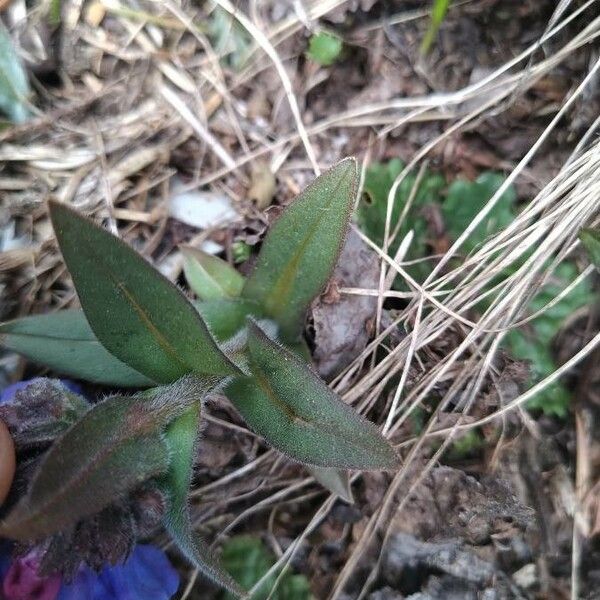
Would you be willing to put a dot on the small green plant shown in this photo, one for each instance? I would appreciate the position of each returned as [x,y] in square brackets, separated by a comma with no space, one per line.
[458,202]
[244,338]
[438,14]
[533,342]
[247,559]
[590,238]
[372,210]
[465,199]
[240,252]
[324,48]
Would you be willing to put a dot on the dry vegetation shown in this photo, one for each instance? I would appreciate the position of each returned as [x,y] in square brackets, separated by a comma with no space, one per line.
[131,97]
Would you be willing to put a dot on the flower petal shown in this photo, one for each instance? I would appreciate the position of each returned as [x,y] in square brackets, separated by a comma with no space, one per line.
[22,580]
[147,574]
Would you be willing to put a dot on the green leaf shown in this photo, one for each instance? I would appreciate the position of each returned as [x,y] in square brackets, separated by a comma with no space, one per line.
[533,343]
[247,559]
[182,438]
[14,88]
[466,198]
[110,451]
[54,12]
[302,247]
[336,481]
[231,41]
[64,342]
[324,48]
[438,14]
[372,211]
[295,411]
[209,277]
[136,313]
[590,238]
[240,252]
[466,445]
[227,317]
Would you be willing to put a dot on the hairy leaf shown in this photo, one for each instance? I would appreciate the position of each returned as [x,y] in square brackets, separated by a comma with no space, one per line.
[590,238]
[64,342]
[302,247]
[135,312]
[182,437]
[336,481]
[113,449]
[116,446]
[209,277]
[227,317]
[298,414]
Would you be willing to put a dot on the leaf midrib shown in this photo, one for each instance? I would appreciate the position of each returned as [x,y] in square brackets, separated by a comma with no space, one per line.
[293,416]
[81,475]
[282,286]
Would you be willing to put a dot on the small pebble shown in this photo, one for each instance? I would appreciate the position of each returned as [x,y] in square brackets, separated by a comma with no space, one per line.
[8,461]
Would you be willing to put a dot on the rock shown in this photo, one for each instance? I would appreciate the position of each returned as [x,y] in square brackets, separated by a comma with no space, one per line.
[386,593]
[443,544]
[341,321]
[404,552]
[526,577]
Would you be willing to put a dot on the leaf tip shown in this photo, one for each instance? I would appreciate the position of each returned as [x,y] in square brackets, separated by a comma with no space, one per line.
[347,167]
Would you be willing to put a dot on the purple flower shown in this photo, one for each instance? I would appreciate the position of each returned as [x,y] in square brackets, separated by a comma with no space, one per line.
[146,575]
[22,582]
[5,560]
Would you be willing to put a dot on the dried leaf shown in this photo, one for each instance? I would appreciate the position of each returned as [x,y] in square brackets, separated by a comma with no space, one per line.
[336,481]
[263,186]
[341,325]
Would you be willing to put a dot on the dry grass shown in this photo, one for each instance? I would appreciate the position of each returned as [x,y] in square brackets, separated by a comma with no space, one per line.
[149,82]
